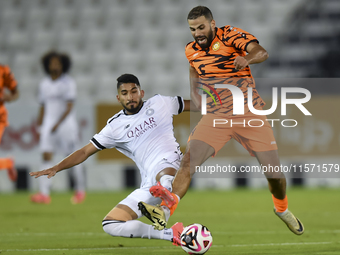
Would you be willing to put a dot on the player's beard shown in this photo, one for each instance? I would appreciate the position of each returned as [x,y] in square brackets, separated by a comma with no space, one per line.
[209,37]
[134,110]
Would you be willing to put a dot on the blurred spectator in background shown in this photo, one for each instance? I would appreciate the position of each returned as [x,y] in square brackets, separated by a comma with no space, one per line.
[8,93]
[57,122]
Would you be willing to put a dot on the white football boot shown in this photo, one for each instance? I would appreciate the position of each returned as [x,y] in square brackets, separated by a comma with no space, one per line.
[293,223]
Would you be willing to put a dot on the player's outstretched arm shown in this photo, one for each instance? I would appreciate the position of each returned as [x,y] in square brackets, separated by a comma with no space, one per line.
[75,158]
[190,106]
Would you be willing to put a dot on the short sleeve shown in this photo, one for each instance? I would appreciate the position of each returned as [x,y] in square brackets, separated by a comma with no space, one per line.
[104,139]
[9,80]
[175,104]
[237,37]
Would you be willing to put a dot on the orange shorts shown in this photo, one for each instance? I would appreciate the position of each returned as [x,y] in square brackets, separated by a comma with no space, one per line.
[252,131]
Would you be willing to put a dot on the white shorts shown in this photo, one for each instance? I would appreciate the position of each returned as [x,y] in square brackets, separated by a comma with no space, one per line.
[65,139]
[142,194]
[149,177]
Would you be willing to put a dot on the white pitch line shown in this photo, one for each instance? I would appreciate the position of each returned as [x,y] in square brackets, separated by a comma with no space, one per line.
[279,244]
[166,247]
[336,231]
[54,234]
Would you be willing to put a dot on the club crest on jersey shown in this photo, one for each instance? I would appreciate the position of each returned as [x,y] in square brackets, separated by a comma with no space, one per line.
[150,111]
[216,46]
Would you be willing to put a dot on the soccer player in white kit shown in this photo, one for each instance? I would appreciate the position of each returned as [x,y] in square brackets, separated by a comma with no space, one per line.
[57,122]
[143,131]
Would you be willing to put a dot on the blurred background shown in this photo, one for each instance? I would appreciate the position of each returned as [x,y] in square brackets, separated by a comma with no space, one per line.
[106,38]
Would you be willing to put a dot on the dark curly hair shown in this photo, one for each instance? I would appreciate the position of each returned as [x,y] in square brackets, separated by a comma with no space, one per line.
[65,61]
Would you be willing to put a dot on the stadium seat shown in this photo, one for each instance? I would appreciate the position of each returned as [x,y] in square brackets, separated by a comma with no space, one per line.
[81,62]
[107,36]
[18,40]
[69,38]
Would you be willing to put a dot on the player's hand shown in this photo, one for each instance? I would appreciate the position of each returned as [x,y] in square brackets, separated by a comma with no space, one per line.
[240,63]
[49,172]
[6,97]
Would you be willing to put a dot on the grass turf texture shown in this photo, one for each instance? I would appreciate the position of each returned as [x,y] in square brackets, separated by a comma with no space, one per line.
[241,222]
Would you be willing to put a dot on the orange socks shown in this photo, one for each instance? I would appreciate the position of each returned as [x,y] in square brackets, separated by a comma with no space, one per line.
[5,163]
[281,205]
[172,208]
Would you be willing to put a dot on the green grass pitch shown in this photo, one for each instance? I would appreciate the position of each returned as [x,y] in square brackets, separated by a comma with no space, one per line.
[241,222]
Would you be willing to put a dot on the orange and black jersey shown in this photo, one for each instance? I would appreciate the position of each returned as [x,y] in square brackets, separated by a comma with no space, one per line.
[215,65]
[6,81]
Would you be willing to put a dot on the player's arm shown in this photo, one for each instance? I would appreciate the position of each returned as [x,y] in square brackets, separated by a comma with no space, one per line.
[195,97]
[11,96]
[63,117]
[190,106]
[72,160]
[256,54]
[41,115]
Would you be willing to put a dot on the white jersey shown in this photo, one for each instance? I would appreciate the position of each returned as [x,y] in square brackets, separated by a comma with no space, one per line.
[54,95]
[146,137]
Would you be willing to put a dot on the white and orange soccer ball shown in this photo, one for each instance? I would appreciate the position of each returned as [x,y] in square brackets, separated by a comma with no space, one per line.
[196,239]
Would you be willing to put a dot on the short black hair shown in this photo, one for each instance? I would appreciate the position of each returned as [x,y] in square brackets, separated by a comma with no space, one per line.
[199,11]
[127,78]
[65,61]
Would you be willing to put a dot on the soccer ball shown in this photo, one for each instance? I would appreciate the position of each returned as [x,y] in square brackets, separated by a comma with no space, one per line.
[196,239]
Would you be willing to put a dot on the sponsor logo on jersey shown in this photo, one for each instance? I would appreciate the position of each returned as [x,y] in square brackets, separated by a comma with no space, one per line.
[140,129]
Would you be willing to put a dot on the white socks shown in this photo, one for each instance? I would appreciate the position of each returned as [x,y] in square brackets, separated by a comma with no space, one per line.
[44,182]
[282,213]
[79,178]
[135,228]
[166,181]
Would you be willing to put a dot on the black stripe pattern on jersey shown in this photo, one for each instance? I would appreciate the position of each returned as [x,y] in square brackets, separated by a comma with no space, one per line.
[114,117]
[98,144]
[180,102]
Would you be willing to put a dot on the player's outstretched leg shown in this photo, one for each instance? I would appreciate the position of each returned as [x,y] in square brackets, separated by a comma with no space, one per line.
[168,199]
[293,223]
[155,214]
[277,186]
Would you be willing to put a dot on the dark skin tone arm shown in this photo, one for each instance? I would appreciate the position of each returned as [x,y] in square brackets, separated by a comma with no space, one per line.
[41,114]
[62,118]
